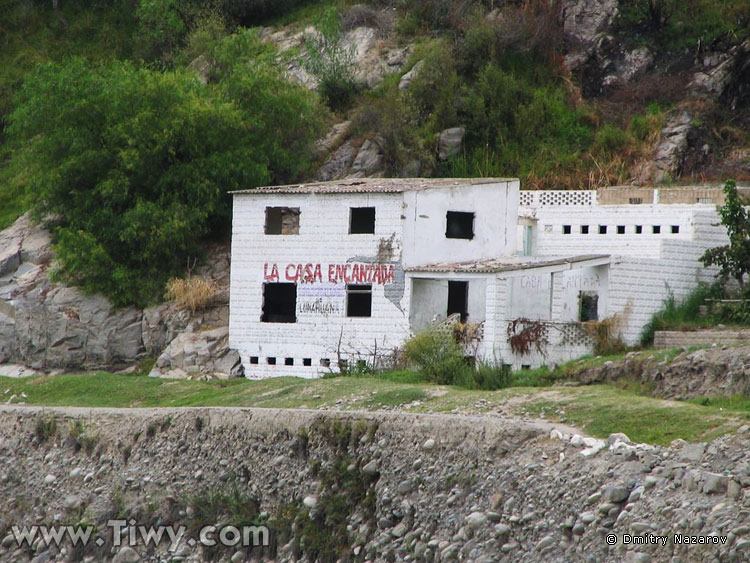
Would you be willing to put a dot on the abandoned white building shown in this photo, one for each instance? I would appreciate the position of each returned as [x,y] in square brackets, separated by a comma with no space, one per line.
[346,271]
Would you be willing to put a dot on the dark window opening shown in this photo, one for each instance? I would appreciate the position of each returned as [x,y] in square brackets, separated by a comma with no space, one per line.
[254,360]
[584,229]
[361,366]
[675,229]
[635,200]
[325,362]
[458,299]
[271,361]
[279,303]
[602,229]
[288,361]
[282,221]
[566,229]
[361,220]
[620,229]
[656,229]
[307,362]
[588,306]
[638,229]
[359,300]
[525,367]
[459,224]
[343,365]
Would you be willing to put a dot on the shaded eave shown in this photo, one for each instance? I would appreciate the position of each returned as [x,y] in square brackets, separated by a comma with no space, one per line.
[513,264]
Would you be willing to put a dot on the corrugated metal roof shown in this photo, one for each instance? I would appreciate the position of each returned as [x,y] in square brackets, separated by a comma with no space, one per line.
[372,185]
[504,264]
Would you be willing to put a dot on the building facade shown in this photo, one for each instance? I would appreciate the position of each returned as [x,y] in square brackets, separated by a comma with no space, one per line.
[330,274]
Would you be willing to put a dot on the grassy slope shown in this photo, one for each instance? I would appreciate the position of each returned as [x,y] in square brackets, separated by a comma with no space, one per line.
[599,409]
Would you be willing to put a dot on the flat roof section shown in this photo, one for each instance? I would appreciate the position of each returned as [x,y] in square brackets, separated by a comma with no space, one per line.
[373,185]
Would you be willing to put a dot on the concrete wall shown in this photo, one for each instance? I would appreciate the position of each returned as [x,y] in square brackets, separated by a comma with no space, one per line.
[496,214]
[323,245]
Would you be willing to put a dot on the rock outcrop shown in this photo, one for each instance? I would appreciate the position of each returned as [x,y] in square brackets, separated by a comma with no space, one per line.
[50,327]
[199,354]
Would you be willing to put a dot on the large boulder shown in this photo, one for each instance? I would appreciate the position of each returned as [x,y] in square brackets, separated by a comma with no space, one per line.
[449,142]
[202,354]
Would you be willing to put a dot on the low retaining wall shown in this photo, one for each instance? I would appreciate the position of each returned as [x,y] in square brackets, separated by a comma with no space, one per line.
[677,339]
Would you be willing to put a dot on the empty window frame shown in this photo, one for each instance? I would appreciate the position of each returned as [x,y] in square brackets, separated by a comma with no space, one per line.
[584,229]
[675,229]
[602,229]
[620,229]
[279,303]
[459,224]
[271,360]
[361,220]
[307,362]
[325,362]
[656,229]
[288,361]
[567,229]
[588,306]
[359,300]
[254,360]
[635,200]
[282,221]
[638,229]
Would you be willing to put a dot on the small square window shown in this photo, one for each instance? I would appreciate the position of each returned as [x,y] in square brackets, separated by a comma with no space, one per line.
[325,362]
[459,224]
[279,303]
[602,229]
[638,229]
[525,367]
[271,361]
[566,229]
[361,220]
[359,300]
[282,221]
[656,229]
[620,229]
[584,229]
[635,200]
[675,229]
[254,360]
[307,362]
[288,361]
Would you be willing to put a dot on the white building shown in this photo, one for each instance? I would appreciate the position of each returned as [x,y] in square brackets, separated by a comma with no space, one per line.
[346,271]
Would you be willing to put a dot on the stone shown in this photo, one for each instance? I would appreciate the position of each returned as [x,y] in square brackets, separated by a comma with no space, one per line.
[369,160]
[310,501]
[409,77]
[636,494]
[370,468]
[202,67]
[449,142]
[204,352]
[714,483]
[49,479]
[126,555]
[476,520]
[615,494]
[429,445]
[545,542]
[405,487]
[617,437]
[692,452]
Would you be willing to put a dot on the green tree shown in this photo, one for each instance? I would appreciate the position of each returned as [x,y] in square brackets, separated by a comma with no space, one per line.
[134,166]
[733,259]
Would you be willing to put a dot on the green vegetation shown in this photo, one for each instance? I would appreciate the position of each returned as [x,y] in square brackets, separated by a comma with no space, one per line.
[440,359]
[138,162]
[597,409]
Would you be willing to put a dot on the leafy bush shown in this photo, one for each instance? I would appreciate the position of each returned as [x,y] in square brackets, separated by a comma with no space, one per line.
[192,293]
[675,315]
[134,164]
[331,62]
[441,360]
[438,356]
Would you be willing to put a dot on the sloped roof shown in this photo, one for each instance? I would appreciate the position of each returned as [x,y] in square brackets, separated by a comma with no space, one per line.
[506,264]
[372,185]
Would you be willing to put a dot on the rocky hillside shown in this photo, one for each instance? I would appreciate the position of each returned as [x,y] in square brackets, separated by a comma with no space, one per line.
[367,487]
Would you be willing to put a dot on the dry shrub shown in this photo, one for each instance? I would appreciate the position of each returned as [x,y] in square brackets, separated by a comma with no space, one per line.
[192,293]
[360,15]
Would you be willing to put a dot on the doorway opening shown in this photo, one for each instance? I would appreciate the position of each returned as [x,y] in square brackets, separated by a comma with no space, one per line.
[458,299]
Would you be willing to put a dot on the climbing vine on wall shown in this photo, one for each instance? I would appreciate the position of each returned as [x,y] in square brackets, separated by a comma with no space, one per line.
[525,335]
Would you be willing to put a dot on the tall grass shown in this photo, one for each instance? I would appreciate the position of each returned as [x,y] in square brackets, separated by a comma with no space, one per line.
[678,315]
